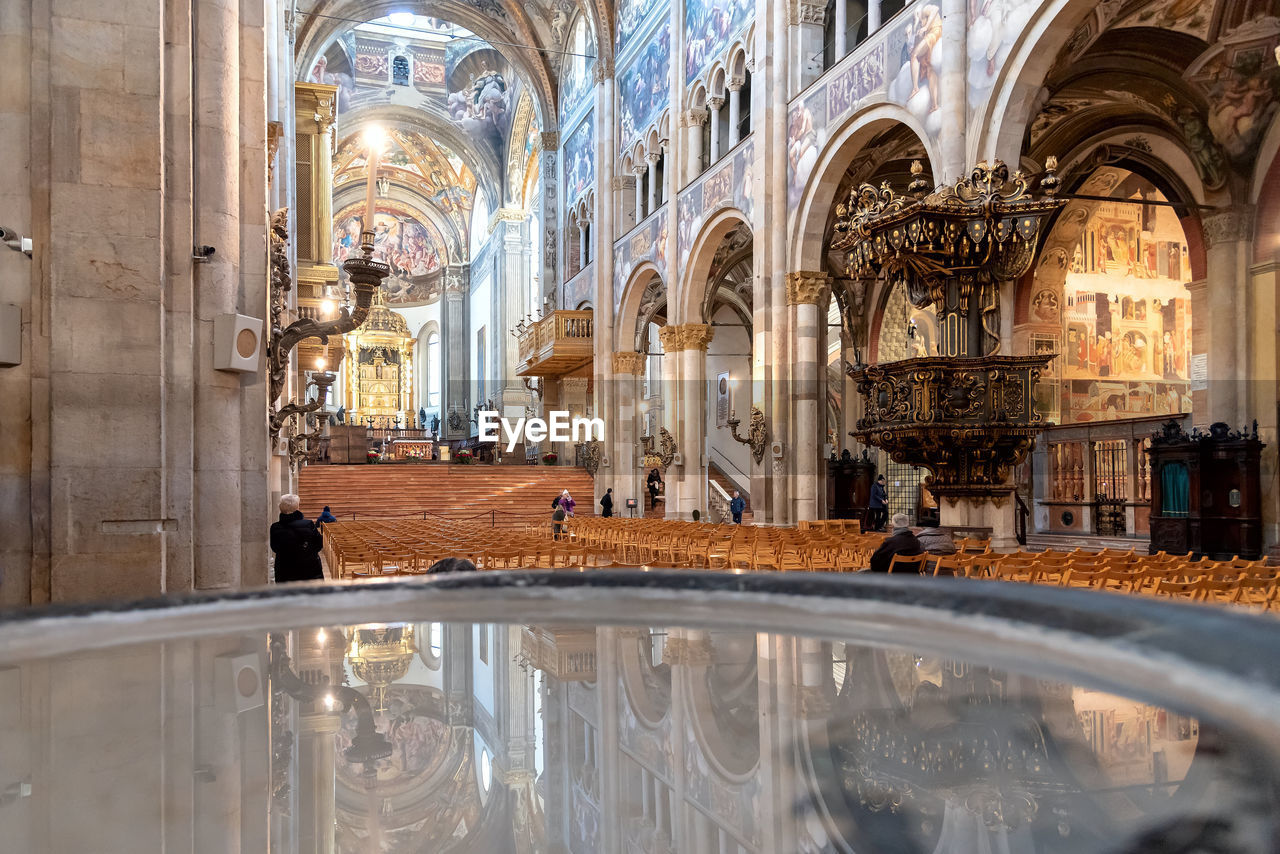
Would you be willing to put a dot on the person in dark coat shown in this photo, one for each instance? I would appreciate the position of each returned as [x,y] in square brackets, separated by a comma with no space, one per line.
[736,506]
[902,542]
[325,516]
[557,518]
[606,504]
[296,543]
[879,505]
[655,484]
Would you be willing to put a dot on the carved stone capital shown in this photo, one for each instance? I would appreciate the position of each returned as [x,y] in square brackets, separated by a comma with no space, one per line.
[805,287]
[603,69]
[814,702]
[1228,225]
[807,12]
[627,362]
[653,156]
[715,103]
[687,652]
[550,140]
[671,338]
[696,336]
[694,118]
[574,385]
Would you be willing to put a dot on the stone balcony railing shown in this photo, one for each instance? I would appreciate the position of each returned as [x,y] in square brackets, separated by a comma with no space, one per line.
[556,345]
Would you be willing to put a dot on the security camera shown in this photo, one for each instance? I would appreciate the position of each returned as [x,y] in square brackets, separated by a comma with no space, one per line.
[8,234]
[15,241]
[203,253]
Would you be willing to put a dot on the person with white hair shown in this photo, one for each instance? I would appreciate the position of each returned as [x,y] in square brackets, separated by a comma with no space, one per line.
[296,543]
[567,502]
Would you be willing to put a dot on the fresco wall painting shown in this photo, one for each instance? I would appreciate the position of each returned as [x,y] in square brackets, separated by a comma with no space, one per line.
[643,86]
[580,160]
[632,15]
[648,242]
[709,26]
[411,246]
[727,186]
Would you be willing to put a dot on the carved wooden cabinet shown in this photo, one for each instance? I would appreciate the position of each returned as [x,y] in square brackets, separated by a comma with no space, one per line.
[849,481]
[1206,492]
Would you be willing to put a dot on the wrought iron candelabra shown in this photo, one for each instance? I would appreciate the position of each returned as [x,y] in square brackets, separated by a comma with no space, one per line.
[757,432]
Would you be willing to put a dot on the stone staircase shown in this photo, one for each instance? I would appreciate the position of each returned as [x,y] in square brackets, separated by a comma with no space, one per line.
[720,479]
[1067,542]
[502,496]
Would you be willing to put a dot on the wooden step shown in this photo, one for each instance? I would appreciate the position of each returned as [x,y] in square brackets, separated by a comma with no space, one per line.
[504,496]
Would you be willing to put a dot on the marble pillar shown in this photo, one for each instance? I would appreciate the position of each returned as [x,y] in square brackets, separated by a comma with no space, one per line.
[775,349]
[735,111]
[953,89]
[807,293]
[694,340]
[550,218]
[622,421]
[652,159]
[604,315]
[693,120]
[640,172]
[317,772]
[873,16]
[714,104]
[672,339]
[1229,249]
[455,355]
[514,284]
[841,27]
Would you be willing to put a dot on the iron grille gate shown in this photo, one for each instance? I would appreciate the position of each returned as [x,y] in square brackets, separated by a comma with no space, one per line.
[903,486]
[1110,486]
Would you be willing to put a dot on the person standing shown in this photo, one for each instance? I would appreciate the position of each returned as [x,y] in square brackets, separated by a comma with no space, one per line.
[879,505]
[736,506]
[606,504]
[567,502]
[903,542]
[655,485]
[296,544]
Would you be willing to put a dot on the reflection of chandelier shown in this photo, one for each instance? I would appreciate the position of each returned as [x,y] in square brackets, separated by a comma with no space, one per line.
[379,656]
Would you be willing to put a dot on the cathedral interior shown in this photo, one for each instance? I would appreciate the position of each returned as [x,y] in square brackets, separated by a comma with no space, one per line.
[1015,287]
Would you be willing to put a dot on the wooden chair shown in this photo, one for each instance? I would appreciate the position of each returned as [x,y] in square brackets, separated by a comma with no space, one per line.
[908,563]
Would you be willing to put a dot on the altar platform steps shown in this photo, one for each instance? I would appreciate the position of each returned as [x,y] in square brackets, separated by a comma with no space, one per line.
[501,496]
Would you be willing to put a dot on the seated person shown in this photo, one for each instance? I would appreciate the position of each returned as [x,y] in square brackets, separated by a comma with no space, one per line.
[902,542]
[451,564]
[936,541]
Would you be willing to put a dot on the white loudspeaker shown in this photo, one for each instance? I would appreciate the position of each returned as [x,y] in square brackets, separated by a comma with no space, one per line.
[677,459]
[237,343]
[238,682]
[10,335]
[776,447]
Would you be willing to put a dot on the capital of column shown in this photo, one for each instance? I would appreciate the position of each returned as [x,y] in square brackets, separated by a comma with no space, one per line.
[735,84]
[627,362]
[653,157]
[603,69]
[715,102]
[1228,225]
[696,336]
[806,287]
[689,652]
[671,337]
[550,140]
[694,118]
[576,384]
[807,12]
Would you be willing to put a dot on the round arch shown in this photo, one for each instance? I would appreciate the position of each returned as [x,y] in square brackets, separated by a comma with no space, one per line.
[436,124]
[692,287]
[1012,101]
[327,19]
[818,197]
[632,302]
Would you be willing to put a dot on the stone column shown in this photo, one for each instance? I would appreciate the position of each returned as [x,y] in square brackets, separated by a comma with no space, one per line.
[672,339]
[550,216]
[873,16]
[603,317]
[317,776]
[652,158]
[808,37]
[694,338]
[640,171]
[515,287]
[1229,251]
[627,366]
[714,104]
[454,353]
[953,88]
[806,291]
[841,30]
[735,110]
[693,122]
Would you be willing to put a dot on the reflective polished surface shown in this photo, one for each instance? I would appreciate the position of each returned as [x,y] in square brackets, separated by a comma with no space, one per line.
[433,735]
